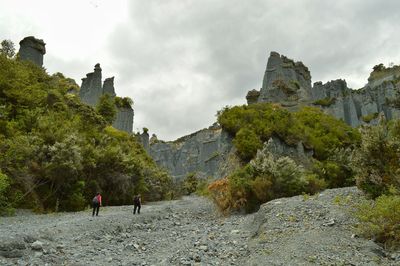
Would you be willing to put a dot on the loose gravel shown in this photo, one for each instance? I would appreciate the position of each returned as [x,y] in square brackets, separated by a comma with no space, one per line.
[317,230]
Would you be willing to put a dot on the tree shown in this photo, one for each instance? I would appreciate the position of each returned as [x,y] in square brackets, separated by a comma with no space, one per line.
[7,48]
[106,108]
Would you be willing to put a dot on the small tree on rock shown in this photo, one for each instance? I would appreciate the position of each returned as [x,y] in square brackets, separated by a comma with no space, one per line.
[7,48]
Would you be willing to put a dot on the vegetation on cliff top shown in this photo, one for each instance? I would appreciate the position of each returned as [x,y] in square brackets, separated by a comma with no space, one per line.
[56,152]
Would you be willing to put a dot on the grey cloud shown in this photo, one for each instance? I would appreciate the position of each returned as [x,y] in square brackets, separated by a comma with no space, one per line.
[182,61]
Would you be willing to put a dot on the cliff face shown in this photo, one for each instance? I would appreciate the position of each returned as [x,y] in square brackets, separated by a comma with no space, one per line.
[124,119]
[91,91]
[289,83]
[205,153]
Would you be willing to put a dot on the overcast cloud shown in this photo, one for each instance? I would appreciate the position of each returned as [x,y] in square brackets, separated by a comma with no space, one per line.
[183,60]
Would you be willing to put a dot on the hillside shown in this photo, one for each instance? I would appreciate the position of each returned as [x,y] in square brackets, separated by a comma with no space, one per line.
[56,152]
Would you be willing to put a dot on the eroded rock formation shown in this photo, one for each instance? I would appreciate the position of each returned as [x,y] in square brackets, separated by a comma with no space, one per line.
[289,83]
[32,49]
[91,91]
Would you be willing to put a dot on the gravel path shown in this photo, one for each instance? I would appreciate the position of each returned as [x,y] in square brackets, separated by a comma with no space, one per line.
[289,231]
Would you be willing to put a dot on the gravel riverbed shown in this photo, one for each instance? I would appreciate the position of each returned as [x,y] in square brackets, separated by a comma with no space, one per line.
[190,231]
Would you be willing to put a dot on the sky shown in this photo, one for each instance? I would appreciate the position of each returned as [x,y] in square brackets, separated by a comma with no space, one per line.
[183,60]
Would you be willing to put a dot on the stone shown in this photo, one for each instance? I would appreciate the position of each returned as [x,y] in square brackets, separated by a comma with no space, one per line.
[285,80]
[92,89]
[32,49]
[37,245]
[108,87]
[12,247]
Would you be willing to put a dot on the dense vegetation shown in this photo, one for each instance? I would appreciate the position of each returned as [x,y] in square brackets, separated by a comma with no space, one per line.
[56,152]
[377,168]
[266,176]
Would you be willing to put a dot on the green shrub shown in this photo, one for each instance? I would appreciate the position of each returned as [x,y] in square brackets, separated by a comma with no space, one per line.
[202,187]
[190,183]
[106,108]
[328,101]
[5,204]
[368,118]
[380,220]
[125,102]
[376,161]
[247,143]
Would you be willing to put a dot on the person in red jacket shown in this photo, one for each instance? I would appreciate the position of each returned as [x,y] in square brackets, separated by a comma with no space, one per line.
[96,203]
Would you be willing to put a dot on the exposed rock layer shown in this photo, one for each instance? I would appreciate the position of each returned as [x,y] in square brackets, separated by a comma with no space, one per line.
[204,152]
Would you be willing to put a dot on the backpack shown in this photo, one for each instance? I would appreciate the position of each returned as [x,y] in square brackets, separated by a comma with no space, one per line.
[95,200]
[136,200]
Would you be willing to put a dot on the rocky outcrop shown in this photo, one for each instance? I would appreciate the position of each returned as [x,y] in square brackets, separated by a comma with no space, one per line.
[205,153]
[32,49]
[289,83]
[108,86]
[145,140]
[285,81]
[92,89]
[298,153]
[124,119]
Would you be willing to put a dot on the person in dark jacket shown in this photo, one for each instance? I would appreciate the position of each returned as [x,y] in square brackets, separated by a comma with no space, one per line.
[137,204]
[96,203]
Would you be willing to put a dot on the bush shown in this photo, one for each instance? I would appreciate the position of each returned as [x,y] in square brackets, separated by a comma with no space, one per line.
[328,101]
[263,179]
[376,161]
[190,183]
[380,220]
[5,204]
[370,117]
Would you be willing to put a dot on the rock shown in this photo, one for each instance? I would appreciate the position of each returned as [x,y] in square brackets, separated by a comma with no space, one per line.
[32,49]
[289,83]
[285,80]
[12,247]
[92,89]
[203,248]
[197,258]
[108,87]
[37,245]
[205,152]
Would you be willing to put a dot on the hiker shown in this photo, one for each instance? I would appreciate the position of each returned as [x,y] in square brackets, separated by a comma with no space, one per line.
[96,203]
[137,203]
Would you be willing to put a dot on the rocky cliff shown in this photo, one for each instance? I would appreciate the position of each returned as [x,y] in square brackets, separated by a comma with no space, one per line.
[206,153]
[32,49]
[91,91]
[289,83]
